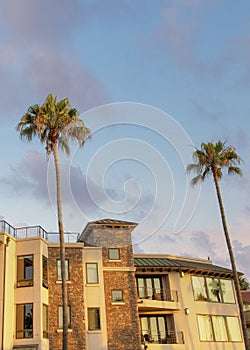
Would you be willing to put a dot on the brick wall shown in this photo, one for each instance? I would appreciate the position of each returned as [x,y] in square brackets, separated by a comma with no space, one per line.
[122,318]
[76,336]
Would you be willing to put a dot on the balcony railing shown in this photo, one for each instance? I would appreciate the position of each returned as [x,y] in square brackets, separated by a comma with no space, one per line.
[158,294]
[169,337]
[36,231]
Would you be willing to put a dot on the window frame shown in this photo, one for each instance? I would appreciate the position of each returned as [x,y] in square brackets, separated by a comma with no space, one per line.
[119,300]
[147,335]
[59,270]
[89,279]
[222,294]
[215,327]
[153,291]
[97,325]
[24,282]
[60,317]
[25,333]
[110,250]
[45,281]
[45,321]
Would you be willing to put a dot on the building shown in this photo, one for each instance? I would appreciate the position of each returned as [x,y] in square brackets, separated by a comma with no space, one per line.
[117,300]
[245,294]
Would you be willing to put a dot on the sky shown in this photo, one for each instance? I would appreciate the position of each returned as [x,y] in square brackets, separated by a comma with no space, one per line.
[152,80]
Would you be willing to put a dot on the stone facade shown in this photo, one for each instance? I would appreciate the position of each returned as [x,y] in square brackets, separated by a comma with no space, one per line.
[122,319]
[76,335]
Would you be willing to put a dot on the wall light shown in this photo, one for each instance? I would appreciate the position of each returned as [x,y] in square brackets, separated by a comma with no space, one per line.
[181,273]
[187,311]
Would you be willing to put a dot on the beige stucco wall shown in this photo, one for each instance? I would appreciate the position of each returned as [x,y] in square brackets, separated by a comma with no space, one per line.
[94,297]
[188,323]
[35,294]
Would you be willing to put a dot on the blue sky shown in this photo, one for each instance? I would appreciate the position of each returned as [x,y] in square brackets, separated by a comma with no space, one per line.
[151,79]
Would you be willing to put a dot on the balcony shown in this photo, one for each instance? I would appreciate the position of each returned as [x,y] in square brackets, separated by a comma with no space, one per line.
[169,337]
[158,294]
[157,299]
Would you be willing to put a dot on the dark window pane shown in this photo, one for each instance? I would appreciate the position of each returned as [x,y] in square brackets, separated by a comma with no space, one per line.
[94,319]
[25,271]
[24,321]
[45,271]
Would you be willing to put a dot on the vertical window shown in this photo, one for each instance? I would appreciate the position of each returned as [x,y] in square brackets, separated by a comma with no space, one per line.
[199,288]
[154,330]
[227,291]
[59,270]
[25,271]
[114,254]
[45,321]
[233,327]
[220,332]
[117,296]
[213,286]
[92,272]
[94,319]
[24,321]
[60,317]
[149,288]
[205,328]
[45,272]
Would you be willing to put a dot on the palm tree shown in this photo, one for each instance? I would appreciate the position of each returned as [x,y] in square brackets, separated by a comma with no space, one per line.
[212,158]
[56,124]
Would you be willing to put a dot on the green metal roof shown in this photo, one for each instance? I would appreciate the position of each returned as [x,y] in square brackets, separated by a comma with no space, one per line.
[182,264]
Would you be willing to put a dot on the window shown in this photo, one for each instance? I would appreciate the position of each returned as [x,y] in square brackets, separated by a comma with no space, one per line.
[94,319]
[45,272]
[25,271]
[45,321]
[205,327]
[24,321]
[233,327]
[227,291]
[149,288]
[154,329]
[92,273]
[114,254]
[220,332]
[60,317]
[219,328]
[59,270]
[214,292]
[117,296]
[213,289]
[199,288]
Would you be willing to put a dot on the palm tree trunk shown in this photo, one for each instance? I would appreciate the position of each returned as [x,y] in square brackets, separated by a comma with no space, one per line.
[62,250]
[233,264]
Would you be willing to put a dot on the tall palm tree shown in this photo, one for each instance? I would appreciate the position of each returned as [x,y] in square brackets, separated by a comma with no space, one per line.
[56,124]
[211,159]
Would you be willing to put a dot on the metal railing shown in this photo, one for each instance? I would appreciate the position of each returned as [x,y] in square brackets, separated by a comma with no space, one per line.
[5,227]
[69,237]
[168,337]
[158,294]
[36,231]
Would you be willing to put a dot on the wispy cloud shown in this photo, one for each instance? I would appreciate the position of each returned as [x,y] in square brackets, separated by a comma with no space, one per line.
[38,54]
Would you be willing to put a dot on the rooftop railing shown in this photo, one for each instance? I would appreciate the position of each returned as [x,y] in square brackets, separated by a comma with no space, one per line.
[36,231]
